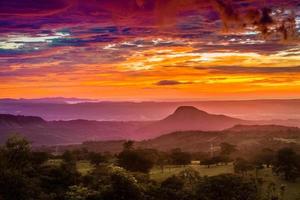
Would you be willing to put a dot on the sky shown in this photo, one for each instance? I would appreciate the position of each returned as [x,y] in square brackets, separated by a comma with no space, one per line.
[150,49]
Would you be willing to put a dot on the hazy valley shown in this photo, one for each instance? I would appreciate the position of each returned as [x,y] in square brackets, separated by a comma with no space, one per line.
[184,118]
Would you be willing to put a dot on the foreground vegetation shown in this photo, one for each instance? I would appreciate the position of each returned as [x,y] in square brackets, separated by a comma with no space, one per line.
[156,174]
[146,174]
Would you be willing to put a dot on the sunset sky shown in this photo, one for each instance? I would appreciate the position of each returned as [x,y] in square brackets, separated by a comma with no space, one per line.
[150,49]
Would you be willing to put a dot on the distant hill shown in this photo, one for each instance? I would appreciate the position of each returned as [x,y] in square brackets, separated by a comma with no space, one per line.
[10,120]
[77,131]
[50,100]
[41,132]
[185,118]
[72,108]
[240,135]
[249,137]
[189,118]
[262,129]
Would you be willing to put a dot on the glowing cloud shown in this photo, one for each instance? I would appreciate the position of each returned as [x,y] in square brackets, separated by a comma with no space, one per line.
[150,48]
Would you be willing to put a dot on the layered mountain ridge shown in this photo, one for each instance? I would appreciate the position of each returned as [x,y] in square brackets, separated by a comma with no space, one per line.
[184,118]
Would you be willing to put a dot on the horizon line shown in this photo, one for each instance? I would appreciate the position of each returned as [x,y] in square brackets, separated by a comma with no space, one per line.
[116,100]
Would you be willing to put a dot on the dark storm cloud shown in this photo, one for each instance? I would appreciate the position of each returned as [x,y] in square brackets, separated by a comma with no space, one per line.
[170,82]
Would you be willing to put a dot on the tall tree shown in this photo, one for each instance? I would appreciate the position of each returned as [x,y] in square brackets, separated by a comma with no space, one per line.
[179,157]
[17,152]
[266,157]
[227,149]
[287,164]
[18,180]
[135,160]
[123,187]
[128,145]
[96,158]
[242,166]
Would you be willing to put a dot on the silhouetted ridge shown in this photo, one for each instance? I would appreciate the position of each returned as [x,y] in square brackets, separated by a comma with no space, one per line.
[188,110]
[20,119]
[265,127]
[188,118]
[184,120]
[186,113]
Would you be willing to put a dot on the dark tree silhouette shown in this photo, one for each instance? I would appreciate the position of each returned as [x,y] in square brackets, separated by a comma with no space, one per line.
[242,166]
[179,157]
[227,187]
[123,187]
[227,149]
[17,175]
[128,145]
[287,164]
[96,158]
[135,161]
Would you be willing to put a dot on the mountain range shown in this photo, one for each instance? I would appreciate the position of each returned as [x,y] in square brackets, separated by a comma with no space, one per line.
[73,108]
[185,118]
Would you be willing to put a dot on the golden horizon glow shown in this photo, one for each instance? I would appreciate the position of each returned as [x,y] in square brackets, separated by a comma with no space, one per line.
[111,56]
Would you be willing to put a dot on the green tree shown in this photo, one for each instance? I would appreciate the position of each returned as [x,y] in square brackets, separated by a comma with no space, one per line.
[69,157]
[123,187]
[38,158]
[128,145]
[16,185]
[265,157]
[18,179]
[96,158]
[179,157]
[17,152]
[135,161]
[287,164]
[173,189]
[55,180]
[227,187]
[227,149]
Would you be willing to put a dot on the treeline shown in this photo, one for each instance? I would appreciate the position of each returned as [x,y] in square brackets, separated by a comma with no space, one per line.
[27,174]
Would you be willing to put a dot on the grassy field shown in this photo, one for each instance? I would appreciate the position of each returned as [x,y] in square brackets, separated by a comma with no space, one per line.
[292,189]
[84,167]
[159,175]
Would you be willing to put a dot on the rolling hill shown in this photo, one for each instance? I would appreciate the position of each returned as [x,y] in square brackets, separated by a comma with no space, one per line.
[250,137]
[185,118]
[42,132]
[72,108]
[189,118]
